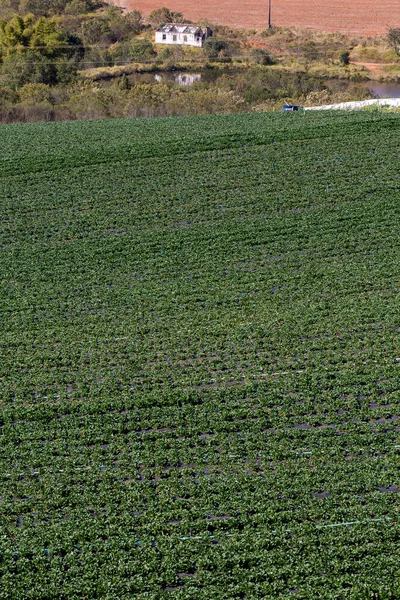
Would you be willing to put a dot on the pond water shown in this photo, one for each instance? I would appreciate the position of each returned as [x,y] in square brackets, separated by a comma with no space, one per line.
[385,90]
[381,90]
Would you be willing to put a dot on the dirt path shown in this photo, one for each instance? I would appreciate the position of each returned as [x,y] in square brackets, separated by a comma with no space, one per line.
[373,68]
[368,17]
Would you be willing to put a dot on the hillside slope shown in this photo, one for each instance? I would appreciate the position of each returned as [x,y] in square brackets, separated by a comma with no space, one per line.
[200,358]
[367,17]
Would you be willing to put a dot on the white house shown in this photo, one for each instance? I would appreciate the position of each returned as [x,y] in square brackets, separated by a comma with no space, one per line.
[182,34]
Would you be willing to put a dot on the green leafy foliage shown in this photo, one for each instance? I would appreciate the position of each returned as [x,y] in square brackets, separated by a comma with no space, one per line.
[393,38]
[161,16]
[262,57]
[21,68]
[37,51]
[200,357]
[215,48]
[43,36]
[142,49]
[344,58]
[48,8]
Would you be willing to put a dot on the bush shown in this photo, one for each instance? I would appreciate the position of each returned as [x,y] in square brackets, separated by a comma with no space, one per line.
[95,31]
[163,15]
[215,48]
[197,101]
[344,58]
[141,50]
[97,57]
[76,7]
[393,38]
[120,53]
[67,70]
[8,97]
[173,55]
[21,68]
[134,20]
[47,8]
[35,93]
[261,57]
[268,32]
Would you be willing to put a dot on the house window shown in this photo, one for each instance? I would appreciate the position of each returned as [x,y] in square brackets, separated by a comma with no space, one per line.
[164,36]
[185,38]
[174,38]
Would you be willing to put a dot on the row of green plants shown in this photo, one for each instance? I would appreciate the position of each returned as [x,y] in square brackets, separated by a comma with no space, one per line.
[200,362]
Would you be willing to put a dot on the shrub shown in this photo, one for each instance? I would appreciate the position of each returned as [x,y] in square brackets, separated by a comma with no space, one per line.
[35,93]
[95,31]
[142,49]
[76,7]
[163,15]
[344,58]
[21,68]
[393,38]
[261,57]
[215,48]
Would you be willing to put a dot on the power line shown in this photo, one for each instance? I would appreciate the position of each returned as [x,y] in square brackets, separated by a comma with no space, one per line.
[63,46]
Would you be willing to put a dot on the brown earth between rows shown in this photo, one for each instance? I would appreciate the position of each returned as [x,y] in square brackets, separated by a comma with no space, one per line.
[368,17]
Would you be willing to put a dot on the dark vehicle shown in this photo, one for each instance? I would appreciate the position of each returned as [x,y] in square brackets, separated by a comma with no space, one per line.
[290,107]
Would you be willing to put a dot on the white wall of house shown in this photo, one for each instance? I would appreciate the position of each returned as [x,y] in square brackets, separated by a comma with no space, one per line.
[183,39]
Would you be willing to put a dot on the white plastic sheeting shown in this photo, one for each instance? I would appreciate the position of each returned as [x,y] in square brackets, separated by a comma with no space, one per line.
[392,102]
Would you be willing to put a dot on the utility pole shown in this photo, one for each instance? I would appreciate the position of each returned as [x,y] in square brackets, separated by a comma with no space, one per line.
[269,14]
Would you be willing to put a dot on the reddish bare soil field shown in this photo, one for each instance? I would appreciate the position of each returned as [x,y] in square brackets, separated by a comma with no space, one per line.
[368,17]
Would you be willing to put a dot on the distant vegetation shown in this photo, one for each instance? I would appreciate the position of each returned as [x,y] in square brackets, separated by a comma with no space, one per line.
[51,52]
[394,40]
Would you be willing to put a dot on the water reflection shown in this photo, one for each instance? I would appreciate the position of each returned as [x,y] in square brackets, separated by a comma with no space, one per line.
[379,90]
[179,78]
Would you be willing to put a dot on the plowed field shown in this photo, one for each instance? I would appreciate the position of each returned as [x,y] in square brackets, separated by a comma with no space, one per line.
[369,17]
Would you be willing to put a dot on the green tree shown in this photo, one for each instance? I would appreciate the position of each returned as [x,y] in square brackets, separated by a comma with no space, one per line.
[27,67]
[393,38]
[76,7]
[94,31]
[123,26]
[43,8]
[173,54]
[163,15]
[50,40]
[261,57]
[134,20]
[12,35]
[213,48]
[29,20]
[48,8]
[67,69]
[44,36]
[8,97]
[344,58]
[8,8]
[122,83]
[142,49]
[120,53]
[99,57]
[35,93]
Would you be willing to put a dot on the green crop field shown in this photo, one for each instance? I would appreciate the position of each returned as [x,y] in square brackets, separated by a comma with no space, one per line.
[200,358]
